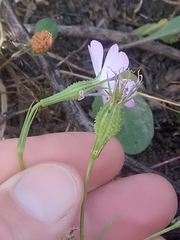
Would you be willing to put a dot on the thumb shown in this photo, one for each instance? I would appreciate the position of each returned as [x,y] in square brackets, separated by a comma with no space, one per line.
[40,202]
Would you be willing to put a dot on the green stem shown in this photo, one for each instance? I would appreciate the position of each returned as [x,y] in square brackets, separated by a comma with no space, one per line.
[86,184]
[73,92]
[24,132]
[168,229]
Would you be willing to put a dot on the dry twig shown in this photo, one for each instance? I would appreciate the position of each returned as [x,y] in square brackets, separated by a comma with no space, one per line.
[4,107]
[114,36]
[175,3]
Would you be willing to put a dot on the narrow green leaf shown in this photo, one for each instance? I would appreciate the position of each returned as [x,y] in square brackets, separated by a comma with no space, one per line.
[150,28]
[171,38]
[170,28]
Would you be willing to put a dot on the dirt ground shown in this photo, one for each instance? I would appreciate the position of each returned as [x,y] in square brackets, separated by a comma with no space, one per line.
[24,82]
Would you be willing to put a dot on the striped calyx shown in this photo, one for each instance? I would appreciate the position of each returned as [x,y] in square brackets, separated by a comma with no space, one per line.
[108,122]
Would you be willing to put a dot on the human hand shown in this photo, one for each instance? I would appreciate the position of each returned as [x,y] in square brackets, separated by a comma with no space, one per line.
[43,201]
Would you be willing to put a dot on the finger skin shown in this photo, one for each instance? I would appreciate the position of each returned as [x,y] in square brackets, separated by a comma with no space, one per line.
[147,203]
[70,148]
[17,223]
[131,196]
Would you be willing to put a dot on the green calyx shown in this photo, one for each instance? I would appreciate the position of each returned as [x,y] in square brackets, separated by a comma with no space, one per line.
[48,25]
[73,92]
[107,123]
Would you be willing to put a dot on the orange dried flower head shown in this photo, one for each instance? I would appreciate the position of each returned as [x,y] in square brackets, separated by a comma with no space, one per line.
[41,41]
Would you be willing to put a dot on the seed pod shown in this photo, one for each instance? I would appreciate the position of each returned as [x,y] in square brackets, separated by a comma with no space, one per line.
[41,41]
[107,123]
[73,92]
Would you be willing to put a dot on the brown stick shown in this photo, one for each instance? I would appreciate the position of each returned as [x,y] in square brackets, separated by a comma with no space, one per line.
[114,36]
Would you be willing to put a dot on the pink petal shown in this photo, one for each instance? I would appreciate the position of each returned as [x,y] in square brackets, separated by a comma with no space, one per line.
[113,51]
[130,103]
[96,53]
[115,62]
[121,62]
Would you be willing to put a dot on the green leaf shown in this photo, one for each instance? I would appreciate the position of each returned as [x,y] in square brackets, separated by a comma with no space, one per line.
[150,28]
[171,38]
[47,24]
[96,105]
[137,129]
[170,29]
[129,75]
[178,115]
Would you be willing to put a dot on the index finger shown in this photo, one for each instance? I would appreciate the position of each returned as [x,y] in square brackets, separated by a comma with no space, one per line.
[72,148]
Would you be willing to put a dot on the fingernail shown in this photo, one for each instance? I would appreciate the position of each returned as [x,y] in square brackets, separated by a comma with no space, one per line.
[46,192]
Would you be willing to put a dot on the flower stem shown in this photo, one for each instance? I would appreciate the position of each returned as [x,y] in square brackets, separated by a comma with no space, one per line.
[24,132]
[168,229]
[86,184]
[159,99]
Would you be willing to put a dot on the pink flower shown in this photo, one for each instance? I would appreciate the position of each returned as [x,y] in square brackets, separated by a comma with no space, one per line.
[115,63]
